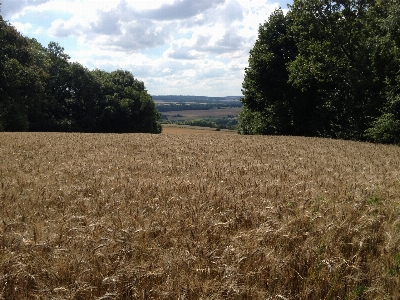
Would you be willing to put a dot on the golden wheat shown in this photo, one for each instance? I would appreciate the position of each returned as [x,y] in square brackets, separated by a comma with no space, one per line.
[197,216]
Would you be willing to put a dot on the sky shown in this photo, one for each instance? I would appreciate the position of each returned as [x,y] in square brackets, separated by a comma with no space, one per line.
[176,47]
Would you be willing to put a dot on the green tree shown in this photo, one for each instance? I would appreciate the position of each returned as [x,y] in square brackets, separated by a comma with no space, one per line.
[126,105]
[57,88]
[39,113]
[149,115]
[84,97]
[265,87]
[271,104]
[341,57]
[19,81]
[40,90]
[385,128]
[327,68]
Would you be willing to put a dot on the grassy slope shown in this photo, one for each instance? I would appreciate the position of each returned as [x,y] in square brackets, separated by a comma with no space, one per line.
[189,216]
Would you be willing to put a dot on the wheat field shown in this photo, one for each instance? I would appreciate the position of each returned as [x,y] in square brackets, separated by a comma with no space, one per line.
[197,216]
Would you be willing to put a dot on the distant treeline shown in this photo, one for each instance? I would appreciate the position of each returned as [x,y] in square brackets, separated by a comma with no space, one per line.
[197,106]
[218,123]
[40,90]
[201,99]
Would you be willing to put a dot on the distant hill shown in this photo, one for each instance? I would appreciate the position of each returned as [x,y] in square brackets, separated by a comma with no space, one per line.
[188,98]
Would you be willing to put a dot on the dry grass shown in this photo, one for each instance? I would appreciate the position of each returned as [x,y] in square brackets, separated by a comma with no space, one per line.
[211,216]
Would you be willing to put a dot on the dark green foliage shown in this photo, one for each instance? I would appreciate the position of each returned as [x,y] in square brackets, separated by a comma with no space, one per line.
[17,77]
[127,107]
[219,123]
[40,90]
[385,129]
[265,88]
[326,68]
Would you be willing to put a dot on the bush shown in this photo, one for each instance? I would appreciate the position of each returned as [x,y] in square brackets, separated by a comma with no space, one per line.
[385,129]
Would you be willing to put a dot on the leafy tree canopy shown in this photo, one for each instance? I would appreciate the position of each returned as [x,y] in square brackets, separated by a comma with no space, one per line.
[41,90]
[326,68]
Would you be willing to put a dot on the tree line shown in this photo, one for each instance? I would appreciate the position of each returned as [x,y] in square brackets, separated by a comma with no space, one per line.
[41,90]
[197,106]
[326,68]
[218,123]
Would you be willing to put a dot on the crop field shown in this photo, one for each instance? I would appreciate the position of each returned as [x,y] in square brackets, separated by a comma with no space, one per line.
[201,114]
[188,129]
[197,216]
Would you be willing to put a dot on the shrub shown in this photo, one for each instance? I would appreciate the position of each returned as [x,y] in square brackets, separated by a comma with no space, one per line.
[385,129]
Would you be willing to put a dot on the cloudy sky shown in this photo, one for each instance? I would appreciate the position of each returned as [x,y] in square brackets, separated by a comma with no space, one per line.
[179,47]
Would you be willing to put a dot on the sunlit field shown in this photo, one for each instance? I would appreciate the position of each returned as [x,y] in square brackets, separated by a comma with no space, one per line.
[188,129]
[201,114]
[197,216]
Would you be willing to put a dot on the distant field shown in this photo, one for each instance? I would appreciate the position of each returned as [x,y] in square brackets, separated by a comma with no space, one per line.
[201,114]
[206,215]
[186,129]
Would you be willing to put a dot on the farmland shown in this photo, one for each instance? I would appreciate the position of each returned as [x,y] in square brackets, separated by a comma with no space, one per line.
[216,112]
[210,215]
[202,114]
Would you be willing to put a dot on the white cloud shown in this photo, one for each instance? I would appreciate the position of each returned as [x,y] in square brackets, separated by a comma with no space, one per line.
[174,46]
[180,9]
[14,7]
[22,27]
[72,27]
